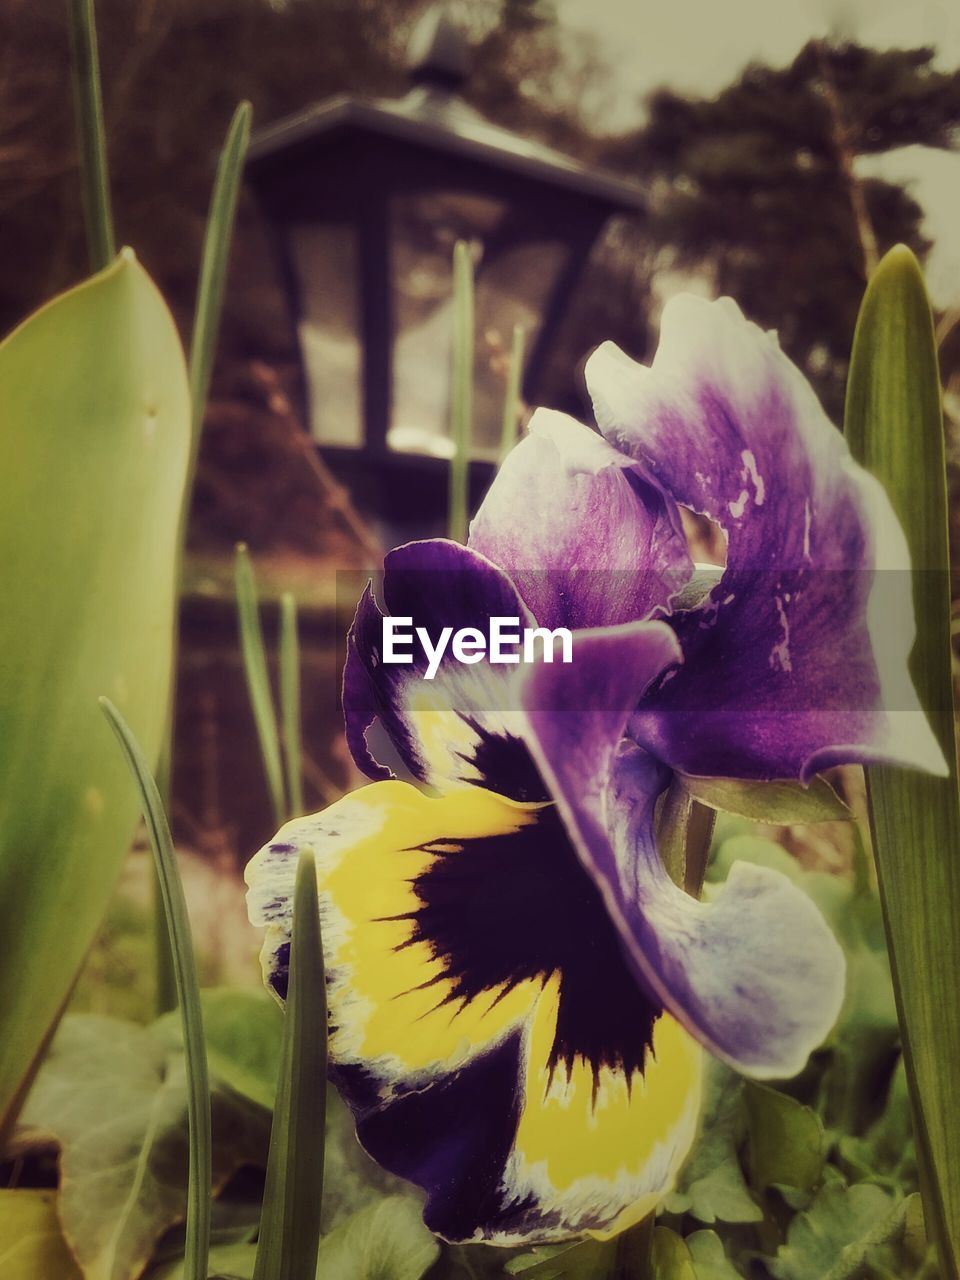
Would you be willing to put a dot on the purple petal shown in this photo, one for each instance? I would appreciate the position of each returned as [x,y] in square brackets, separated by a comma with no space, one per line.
[453,1140]
[756,974]
[798,660]
[588,540]
[457,728]
[367,699]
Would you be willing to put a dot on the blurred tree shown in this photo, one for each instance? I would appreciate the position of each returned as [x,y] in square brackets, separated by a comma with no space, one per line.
[759,188]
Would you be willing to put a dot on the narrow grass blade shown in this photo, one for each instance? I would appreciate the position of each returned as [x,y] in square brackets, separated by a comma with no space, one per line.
[511,399]
[258,680]
[213,265]
[894,425]
[164,977]
[462,392]
[188,990]
[206,322]
[290,702]
[290,1220]
[91,135]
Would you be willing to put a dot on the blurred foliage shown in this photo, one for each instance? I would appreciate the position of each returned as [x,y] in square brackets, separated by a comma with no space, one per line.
[759,188]
[165,119]
[32,1238]
[792,1180]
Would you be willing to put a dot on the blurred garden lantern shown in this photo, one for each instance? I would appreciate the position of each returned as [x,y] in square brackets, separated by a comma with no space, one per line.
[365,201]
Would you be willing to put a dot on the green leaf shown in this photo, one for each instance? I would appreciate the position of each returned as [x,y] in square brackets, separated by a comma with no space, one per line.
[584,1260]
[290,701]
[670,1258]
[96,424]
[258,680]
[837,1233]
[91,135]
[786,1141]
[462,391]
[213,264]
[206,323]
[113,1097]
[887,1150]
[229,1261]
[709,1257]
[510,428]
[712,1187]
[351,1179]
[780,803]
[243,1031]
[865,1036]
[914,1238]
[384,1241]
[290,1222]
[199,1175]
[32,1246]
[759,850]
[895,428]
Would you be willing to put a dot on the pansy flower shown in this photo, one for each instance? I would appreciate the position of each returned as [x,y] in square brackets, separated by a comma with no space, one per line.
[518,992]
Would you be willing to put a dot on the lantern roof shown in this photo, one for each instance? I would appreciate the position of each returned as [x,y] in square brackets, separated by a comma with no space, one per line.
[434,116]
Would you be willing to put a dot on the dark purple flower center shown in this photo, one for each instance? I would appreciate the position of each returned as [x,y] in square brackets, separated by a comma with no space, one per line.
[500,910]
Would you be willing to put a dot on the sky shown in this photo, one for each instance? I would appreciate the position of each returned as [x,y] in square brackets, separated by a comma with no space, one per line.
[698,46]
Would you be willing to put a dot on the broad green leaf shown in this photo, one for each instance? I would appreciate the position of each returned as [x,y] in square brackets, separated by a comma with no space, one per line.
[887,1150]
[583,1260]
[385,1241]
[114,1099]
[243,1031]
[786,1141]
[866,1035]
[895,428]
[835,1236]
[670,1258]
[96,422]
[709,1257]
[32,1246]
[780,803]
[712,1187]
[351,1179]
[229,1261]
[234,1216]
[290,1221]
[914,1240]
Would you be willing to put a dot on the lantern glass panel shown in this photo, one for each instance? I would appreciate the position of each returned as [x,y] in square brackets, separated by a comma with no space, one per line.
[324,262]
[514,278]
